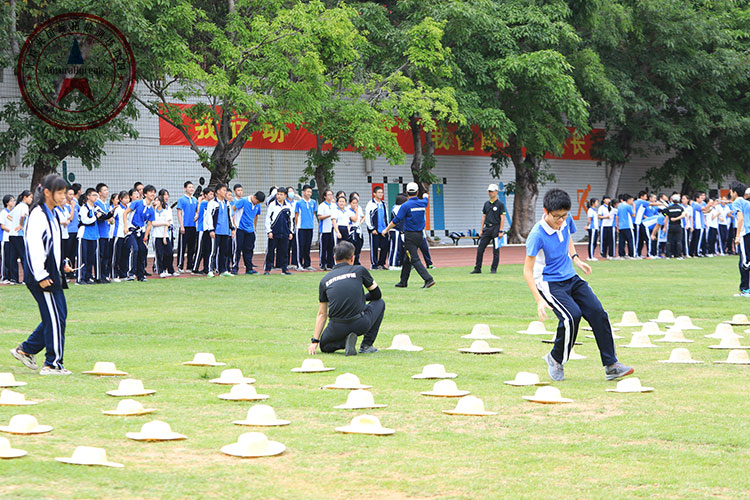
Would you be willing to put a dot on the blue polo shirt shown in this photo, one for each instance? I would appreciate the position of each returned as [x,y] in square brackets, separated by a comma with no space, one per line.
[306,211]
[625,214]
[73,226]
[201,213]
[103,225]
[188,205]
[640,210]
[742,205]
[141,214]
[412,212]
[550,248]
[249,212]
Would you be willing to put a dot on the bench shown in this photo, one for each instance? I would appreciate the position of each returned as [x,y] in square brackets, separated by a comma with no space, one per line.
[456,239]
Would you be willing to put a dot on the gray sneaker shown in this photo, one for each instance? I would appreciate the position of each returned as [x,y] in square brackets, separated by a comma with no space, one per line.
[367,349]
[555,369]
[27,359]
[351,344]
[617,370]
[49,370]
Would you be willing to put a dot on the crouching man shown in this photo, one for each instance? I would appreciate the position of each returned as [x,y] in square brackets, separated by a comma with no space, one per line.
[343,303]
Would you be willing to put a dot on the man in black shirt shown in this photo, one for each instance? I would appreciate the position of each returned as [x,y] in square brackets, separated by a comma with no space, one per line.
[342,301]
[493,222]
[674,213]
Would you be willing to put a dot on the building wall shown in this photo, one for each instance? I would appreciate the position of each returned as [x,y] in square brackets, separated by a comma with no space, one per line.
[465,177]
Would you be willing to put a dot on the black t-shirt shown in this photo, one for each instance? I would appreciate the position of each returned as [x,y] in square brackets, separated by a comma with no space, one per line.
[493,212]
[673,210]
[342,289]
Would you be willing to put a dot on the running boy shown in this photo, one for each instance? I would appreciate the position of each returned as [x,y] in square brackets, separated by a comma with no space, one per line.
[555,285]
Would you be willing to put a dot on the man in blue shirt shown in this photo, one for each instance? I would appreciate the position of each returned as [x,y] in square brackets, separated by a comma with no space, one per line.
[641,207]
[376,218]
[413,214]
[205,242]
[625,215]
[138,230]
[741,209]
[305,210]
[246,212]
[187,238]
[553,282]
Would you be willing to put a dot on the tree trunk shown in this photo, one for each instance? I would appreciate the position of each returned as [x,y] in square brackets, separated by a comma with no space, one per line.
[221,173]
[428,162]
[41,169]
[321,182]
[613,179]
[525,195]
[687,186]
[416,137]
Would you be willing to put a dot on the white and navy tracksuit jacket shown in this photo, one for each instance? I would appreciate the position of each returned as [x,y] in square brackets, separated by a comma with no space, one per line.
[44,260]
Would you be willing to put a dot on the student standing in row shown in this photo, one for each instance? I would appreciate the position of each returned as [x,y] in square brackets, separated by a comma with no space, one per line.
[103,217]
[396,236]
[8,203]
[160,236]
[44,275]
[413,214]
[88,240]
[187,239]
[592,226]
[279,227]
[341,220]
[119,242]
[221,233]
[555,285]
[493,222]
[306,210]
[625,216]
[71,252]
[139,228]
[326,231]
[607,228]
[203,226]
[246,220]
[741,209]
[357,217]
[376,217]
[15,237]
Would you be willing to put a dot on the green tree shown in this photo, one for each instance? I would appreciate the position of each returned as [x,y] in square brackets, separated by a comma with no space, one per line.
[45,146]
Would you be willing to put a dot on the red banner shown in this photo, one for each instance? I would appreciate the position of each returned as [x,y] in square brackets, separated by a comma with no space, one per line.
[447,143]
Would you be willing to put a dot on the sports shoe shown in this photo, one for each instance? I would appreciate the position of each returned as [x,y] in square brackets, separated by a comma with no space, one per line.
[176,273]
[400,285]
[288,273]
[251,271]
[367,349]
[130,278]
[429,284]
[394,268]
[116,280]
[476,271]
[227,273]
[210,274]
[311,268]
[27,359]
[266,273]
[493,271]
[617,370]
[48,370]
[142,279]
[165,275]
[592,259]
[351,344]
[555,369]
[743,293]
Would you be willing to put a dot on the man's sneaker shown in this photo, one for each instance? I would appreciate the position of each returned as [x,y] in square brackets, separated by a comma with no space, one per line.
[555,369]
[367,349]
[142,279]
[27,359]
[116,280]
[476,271]
[430,266]
[176,273]
[130,278]
[429,284]
[227,273]
[266,273]
[493,271]
[617,370]
[210,274]
[400,285]
[351,344]
[48,370]
[592,259]
[165,275]
[288,273]
[311,268]
[251,271]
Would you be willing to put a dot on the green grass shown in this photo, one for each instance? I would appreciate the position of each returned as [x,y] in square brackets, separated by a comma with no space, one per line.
[688,439]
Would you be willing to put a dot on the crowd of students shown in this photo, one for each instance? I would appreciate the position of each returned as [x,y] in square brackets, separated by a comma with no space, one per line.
[656,226]
[106,236]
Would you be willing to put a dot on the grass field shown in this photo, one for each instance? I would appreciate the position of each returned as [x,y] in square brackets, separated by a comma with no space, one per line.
[688,439]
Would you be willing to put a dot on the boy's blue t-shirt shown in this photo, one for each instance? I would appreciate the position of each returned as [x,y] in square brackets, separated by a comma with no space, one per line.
[625,216]
[73,226]
[103,225]
[249,211]
[742,205]
[307,211]
[188,205]
[141,214]
[201,213]
[550,247]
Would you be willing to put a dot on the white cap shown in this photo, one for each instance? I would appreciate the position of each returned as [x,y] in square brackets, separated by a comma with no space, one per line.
[747,191]
[492,187]
[412,187]
[676,197]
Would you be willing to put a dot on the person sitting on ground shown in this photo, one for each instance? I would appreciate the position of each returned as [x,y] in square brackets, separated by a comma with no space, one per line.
[342,301]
